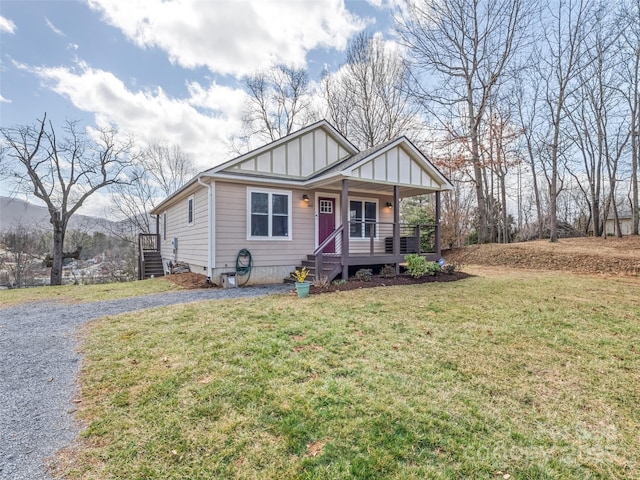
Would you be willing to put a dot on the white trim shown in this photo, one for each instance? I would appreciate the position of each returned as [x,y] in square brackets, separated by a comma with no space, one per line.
[338,212]
[271,191]
[212,223]
[363,200]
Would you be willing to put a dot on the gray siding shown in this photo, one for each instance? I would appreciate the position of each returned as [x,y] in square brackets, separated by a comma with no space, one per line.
[192,239]
[231,229]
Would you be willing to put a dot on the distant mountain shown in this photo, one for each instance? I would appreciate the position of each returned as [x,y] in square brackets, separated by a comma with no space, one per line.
[14,212]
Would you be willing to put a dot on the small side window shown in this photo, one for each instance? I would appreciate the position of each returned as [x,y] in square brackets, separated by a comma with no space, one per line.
[190,211]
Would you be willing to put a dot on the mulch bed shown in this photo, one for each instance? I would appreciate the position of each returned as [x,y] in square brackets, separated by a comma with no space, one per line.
[377,281]
[193,281]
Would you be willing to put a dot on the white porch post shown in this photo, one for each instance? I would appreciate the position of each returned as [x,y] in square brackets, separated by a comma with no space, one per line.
[438,252]
[345,230]
[396,224]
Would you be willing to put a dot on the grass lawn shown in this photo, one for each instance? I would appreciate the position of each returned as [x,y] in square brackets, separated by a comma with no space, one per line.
[85,293]
[523,374]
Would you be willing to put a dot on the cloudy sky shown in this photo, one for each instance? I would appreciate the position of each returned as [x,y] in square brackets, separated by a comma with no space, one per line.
[165,70]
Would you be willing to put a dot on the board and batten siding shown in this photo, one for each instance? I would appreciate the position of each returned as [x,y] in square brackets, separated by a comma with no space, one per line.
[192,239]
[299,158]
[395,167]
[231,229]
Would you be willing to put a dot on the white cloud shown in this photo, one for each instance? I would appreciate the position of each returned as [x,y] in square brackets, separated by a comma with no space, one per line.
[72,46]
[4,100]
[6,25]
[53,28]
[233,37]
[150,114]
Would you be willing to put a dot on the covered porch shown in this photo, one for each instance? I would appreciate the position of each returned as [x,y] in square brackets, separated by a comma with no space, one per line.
[359,241]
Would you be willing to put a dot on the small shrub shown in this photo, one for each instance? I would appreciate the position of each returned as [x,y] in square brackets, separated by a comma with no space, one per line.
[388,271]
[416,265]
[364,274]
[449,268]
[341,281]
[433,268]
[321,282]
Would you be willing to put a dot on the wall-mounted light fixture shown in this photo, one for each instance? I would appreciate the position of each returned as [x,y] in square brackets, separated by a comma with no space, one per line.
[305,197]
[389,205]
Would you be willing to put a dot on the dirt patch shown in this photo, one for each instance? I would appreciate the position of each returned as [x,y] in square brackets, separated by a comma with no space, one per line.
[189,280]
[613,256]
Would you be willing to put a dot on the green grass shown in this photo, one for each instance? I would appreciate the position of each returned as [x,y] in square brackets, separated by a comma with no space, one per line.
[85,293]
[535,375]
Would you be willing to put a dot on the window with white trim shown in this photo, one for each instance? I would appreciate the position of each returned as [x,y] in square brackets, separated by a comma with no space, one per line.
[190,210]
[363,215]
[326,206]
[269,214]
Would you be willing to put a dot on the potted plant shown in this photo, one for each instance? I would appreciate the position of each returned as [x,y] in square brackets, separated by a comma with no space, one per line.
[302,286]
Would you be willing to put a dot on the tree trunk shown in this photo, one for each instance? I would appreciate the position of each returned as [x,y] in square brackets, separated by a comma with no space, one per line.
[58,244]
[477,171]
[635,152]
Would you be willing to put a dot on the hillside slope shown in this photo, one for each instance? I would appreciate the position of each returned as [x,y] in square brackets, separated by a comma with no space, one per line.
[618,256]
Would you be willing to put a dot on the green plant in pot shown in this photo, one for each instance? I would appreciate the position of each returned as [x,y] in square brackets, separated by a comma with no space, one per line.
[302,286]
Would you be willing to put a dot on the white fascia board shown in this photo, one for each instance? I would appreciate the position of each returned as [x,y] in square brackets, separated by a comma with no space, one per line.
[250,180]
[178,193]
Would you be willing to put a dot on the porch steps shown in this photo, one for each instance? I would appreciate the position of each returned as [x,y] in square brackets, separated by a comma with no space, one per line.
[331,267]
[153,265]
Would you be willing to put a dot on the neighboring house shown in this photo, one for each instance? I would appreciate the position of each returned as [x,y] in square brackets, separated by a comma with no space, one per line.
[310,196]
[626,223]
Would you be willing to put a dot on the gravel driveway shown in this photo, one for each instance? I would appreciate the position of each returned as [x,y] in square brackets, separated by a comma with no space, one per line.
[39,365]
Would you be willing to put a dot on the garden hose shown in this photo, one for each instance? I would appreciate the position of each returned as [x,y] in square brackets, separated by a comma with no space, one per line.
[244,264]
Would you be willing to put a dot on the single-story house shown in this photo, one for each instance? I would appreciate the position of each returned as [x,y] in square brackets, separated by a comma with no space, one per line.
[310,198]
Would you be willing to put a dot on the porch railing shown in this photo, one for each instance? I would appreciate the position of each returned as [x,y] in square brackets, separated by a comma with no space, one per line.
[147,242]
[377,238]
[374,242]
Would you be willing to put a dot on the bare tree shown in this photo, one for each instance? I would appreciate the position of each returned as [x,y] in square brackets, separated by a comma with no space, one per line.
[526,97]
[278,103]
[500,153]
[630,77]
[468,47]
[64,173]
[559,72]
[159,170]
[366,99]
[584,103]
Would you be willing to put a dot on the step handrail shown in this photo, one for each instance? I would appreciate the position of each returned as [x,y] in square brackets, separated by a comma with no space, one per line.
[318,254]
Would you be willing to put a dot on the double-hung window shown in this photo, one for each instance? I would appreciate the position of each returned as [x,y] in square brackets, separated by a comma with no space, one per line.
[362,218]
[269,214]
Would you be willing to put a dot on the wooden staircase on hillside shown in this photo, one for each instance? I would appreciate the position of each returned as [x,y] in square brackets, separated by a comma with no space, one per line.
[149,257]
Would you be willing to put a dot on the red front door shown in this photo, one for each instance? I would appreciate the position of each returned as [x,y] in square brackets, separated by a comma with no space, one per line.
[326,222]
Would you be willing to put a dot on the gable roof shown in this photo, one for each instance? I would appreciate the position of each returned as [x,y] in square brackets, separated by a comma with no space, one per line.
[319,155]
[299,155]
[395,162]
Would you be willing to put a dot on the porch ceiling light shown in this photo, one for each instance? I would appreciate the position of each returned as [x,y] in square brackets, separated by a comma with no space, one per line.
[305,197]
[389,205]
